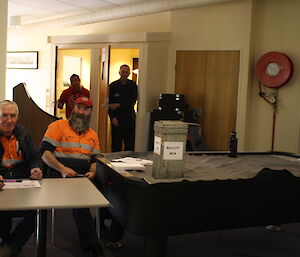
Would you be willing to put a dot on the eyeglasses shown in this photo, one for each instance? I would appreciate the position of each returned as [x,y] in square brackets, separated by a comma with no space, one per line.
[5,116]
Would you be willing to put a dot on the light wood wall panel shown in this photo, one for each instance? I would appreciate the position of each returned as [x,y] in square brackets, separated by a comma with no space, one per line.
[221,98]
[190,77]
[209,79]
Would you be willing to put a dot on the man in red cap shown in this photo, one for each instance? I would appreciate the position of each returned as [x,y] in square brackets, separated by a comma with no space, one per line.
[69,148]
[71,94]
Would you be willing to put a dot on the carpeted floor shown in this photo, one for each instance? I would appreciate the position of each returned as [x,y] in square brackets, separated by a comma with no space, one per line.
[254,242]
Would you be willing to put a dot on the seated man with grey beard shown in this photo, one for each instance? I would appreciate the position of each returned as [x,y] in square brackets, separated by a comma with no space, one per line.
[69,148]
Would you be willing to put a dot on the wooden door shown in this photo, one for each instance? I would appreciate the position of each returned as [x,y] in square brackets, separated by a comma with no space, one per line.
[103,99]
[190,78]
[220,97]
[209,79]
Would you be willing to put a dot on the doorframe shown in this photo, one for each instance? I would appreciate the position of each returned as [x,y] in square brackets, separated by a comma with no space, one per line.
[95,75]
[126,40]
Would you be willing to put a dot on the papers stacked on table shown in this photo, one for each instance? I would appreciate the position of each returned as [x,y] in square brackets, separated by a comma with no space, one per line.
[13,184]
[130,164]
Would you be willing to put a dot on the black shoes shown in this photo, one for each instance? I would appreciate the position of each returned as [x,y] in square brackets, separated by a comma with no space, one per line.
[112,245]
[275,228]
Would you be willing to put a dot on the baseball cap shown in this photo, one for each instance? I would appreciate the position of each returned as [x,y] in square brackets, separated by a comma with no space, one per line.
[84,100]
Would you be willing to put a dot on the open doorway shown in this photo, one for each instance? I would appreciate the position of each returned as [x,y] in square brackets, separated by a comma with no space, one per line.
[80,61]
[119,56]
[71,61]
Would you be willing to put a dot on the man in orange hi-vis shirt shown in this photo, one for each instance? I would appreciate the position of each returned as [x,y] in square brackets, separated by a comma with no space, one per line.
[18,159]
[70,148]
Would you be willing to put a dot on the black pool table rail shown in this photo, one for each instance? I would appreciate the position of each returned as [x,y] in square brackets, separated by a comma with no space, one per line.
[156,211]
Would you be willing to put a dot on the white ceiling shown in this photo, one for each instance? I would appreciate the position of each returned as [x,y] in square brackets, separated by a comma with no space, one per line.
[78,12]
[34,11]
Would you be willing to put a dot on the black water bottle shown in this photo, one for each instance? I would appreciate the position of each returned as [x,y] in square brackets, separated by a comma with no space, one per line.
[233,144]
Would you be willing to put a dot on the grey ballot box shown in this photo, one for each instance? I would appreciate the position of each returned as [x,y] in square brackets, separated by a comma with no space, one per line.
[169,149]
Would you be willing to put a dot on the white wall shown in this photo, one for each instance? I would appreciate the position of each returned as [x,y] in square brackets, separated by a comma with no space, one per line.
[216,27]
[37,80]
[275,28]
[34,38]
[253,27]
[3,29]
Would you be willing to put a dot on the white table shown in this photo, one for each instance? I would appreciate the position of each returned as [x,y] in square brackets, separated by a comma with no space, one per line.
[55,193]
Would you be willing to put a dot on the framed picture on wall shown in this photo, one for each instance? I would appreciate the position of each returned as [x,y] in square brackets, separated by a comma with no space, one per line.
[22,60]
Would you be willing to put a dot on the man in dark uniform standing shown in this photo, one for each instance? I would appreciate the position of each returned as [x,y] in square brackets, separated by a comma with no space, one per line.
[122,98]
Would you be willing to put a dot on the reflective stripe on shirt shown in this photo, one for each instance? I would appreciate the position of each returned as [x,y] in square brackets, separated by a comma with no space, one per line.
[75,145]
[96,151]
[12,153]
[72,155]
[51,141]
[9,162]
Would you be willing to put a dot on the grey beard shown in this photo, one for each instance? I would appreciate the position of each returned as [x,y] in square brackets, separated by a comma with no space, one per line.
[80,123]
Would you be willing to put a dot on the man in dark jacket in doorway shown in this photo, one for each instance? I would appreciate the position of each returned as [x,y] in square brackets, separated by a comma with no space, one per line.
[122,98]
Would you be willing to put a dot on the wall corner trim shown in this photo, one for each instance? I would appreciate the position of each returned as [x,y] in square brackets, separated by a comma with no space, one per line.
[110,38]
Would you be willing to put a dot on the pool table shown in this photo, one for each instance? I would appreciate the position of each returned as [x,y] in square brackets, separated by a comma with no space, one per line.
[216,193]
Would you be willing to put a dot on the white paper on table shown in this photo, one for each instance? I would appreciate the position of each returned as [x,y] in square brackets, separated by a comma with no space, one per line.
[173,151]
[132,160]
[121,166]
[23,184]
